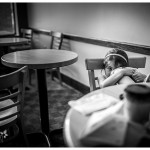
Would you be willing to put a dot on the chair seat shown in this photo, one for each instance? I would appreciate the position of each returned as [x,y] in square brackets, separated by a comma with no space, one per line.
[38,139]
[7,112]
[57,138]
[7,134]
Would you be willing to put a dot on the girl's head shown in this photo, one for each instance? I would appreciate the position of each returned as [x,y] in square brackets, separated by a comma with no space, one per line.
[115,58]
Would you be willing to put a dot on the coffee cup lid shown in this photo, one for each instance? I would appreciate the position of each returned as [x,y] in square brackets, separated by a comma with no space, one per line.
[138,89]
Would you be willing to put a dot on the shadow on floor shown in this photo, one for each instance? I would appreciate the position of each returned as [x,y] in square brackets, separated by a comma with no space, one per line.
[58,97]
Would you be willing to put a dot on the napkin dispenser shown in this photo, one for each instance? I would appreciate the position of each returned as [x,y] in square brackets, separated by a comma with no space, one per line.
[105,128]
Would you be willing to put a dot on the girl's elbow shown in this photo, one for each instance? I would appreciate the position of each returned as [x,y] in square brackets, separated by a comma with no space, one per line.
[102,85]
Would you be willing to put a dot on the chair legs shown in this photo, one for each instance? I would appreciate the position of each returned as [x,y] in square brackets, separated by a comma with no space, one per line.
[38,139]
[13,136]
[22,134]
[30,72]
[59,76]
[56,138]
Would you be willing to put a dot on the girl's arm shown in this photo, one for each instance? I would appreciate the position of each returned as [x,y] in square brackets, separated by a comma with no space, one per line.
[139,77]
[114,78]
[126,80]
[101,79]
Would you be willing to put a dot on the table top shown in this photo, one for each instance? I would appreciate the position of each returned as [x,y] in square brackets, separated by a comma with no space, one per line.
[75,122]
[12,41]
[39,58]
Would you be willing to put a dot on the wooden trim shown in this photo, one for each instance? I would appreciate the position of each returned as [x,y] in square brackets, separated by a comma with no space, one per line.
[75,84]
[136,48]
[142,49]
[42,31]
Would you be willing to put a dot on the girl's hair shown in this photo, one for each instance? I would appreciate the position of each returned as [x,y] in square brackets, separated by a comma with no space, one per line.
[117,55]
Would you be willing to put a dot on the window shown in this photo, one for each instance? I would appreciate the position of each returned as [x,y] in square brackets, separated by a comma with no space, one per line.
[7,19]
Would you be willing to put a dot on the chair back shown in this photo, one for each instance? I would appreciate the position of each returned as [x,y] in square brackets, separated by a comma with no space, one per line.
[97,64]
[11,104]
[26,33]
[57,39]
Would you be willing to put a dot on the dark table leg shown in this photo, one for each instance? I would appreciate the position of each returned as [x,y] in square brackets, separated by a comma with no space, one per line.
[43,99]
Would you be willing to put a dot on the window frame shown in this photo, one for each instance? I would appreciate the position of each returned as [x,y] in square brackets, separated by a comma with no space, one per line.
[14,21]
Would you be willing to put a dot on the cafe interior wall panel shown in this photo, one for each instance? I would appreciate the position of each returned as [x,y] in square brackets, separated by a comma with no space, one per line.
[78,71]
[118,22]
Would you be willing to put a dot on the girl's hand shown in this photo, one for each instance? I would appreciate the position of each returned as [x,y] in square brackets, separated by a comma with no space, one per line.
[128,71]
[138,77]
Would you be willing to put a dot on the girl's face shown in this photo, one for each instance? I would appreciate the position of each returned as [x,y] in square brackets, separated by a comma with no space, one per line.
[110,66]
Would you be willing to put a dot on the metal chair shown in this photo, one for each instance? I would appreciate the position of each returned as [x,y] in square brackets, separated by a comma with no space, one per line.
[25,33]
[97,64]
[12,132]
[11,106]
[56,43]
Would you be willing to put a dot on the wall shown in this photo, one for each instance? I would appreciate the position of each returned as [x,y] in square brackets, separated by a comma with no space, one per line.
[121,22]
[22,15]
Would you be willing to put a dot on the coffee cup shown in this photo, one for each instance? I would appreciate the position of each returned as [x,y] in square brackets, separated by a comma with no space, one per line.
[137,103]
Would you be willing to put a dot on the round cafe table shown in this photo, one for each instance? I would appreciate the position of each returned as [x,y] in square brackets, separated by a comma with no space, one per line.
[75,122]
[12,41]
[40,59]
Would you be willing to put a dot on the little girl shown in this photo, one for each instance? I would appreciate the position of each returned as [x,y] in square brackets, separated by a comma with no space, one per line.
[116,69]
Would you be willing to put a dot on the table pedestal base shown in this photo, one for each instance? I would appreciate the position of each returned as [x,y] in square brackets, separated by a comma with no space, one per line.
[43,100]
